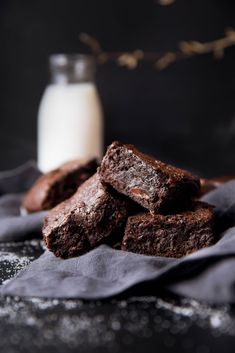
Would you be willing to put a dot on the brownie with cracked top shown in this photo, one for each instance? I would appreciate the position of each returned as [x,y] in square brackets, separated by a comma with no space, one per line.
[173,235]
[157,186]
[85,220]
[58,185]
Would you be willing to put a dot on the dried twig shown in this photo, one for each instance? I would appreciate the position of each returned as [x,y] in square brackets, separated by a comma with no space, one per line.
[165,2]
[193,48]
[185,50]
[130,60]
[94,46]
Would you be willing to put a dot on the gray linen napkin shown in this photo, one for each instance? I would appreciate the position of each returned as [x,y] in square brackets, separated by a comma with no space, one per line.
[208,274]
[18,179]
[224,200]
[13,225]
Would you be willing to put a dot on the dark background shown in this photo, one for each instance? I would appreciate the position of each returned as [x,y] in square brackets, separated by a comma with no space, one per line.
[184,115]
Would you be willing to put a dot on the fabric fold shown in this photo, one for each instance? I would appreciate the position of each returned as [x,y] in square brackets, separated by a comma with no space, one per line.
[14,226]
[207,274]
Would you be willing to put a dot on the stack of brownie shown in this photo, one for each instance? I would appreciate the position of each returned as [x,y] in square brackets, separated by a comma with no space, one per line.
[133,202]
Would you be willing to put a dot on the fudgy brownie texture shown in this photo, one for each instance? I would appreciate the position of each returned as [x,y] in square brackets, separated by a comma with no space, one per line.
[58,185]
[114,240]
[85,220]
[170,235]
[157,186]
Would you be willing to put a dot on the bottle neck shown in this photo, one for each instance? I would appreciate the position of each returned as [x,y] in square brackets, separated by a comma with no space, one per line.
[70,69]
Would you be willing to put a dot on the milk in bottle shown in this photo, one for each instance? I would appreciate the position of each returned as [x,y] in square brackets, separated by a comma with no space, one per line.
[70,119]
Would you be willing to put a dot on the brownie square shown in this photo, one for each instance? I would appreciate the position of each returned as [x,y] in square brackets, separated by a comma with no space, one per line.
[157,186]
[170,235]
[58,185]
[85,220]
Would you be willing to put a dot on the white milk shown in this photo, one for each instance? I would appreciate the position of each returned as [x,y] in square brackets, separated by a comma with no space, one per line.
[70,124]
[70,119]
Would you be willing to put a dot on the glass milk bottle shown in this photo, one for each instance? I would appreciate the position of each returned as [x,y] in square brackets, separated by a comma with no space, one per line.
[70,119]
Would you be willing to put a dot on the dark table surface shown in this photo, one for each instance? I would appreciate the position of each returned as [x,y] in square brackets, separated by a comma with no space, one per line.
[127,324]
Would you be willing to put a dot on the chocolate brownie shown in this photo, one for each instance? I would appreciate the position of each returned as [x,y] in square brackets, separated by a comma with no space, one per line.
[157,186]
[170,235]
[83,221]
[58,185]
[114,240]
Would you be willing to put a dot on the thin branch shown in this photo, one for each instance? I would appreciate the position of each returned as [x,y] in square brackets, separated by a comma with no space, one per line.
[165,2]
[186,49]
[94,46]
[193,48]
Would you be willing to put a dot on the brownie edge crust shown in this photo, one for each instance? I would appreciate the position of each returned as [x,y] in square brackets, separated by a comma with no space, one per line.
[58,185]
[83,221]
[172,235]
[157,186]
